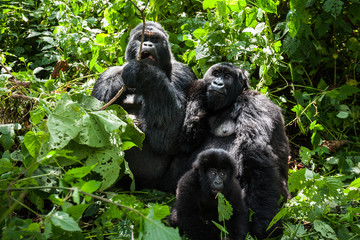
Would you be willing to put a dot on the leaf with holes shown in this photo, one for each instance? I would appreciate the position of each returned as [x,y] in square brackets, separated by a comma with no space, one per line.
[108,162]
[96,128]
[64,122]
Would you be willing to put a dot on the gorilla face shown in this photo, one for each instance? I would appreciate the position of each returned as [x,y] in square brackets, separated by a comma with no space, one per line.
[216,169]
[155,48]
[225,82]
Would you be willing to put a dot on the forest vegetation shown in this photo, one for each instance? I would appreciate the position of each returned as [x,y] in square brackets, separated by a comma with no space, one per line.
[60,155]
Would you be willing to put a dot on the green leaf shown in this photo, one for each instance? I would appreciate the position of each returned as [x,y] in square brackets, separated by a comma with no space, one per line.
[76,196]
[199,33]
[355,183]
[209,4]
[277,217]
[333,7]
[33,142]
[154,229]
[305,155]
[64,123]
[268,6]
[77,173]
[64,221]
[5,165]
[7,135]
[77,211]
[325,230]
[225,209]
[90,186]
[296,180]
[342,115]
[108,164]
[161,211]
[97,127]
[37,115]
[219,226]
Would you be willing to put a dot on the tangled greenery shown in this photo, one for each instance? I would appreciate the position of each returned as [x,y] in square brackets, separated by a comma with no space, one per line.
[60,156]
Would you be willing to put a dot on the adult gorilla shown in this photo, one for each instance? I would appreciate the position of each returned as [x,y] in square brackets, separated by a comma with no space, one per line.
[162,83]
[251,128]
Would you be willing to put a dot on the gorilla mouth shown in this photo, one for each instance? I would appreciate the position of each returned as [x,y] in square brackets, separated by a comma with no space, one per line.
[216,91]
[147,55]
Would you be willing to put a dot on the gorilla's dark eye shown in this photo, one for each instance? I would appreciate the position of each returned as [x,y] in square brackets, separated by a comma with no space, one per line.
[155,39]
[222,174]
[227,75]
[216,73]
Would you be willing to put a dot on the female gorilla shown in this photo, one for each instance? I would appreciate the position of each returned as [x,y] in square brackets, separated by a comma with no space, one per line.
[251,128]
[162,83]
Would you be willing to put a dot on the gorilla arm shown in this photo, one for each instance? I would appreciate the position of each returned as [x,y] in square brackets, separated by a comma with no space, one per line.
[164,104]
[108,85]
[195,124]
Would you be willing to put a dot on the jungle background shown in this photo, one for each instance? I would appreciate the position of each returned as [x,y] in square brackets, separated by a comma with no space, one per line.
[60,155]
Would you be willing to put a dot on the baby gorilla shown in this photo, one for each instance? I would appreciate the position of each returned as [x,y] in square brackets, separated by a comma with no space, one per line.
[196,206]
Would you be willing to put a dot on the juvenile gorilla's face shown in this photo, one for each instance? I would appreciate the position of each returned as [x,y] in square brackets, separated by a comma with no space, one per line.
[225,82]
[216,168]
[216,178]
[155,48]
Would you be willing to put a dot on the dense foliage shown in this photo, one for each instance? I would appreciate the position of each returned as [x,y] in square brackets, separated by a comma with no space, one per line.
[60,155]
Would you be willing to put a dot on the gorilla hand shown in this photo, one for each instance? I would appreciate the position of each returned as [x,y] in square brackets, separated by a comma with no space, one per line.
[136,73]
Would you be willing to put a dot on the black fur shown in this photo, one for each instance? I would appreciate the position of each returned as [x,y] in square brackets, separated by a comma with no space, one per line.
[196,204]
[228,115]
[162,83]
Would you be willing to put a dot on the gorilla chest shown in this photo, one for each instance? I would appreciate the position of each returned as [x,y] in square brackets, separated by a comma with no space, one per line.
[222,126]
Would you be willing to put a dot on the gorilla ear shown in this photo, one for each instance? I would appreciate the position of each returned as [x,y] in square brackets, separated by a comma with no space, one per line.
[243,76]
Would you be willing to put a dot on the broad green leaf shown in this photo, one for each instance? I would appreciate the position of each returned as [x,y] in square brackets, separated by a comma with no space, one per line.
[209,4]
[5,165]
[242,4]
[37,115]
[325,230]
[132,135]
[268,6]
[296,180]
[333,7]
[64,221]
[342,115]
[108,165]
[96,128]
[7,134]
[64,123]
[199,33]
[77,173]
[221,9]
[154,229]
[355,183]
[88,102]
[90,186]
[225,209]
[33,142]
[305,155]
[76,211]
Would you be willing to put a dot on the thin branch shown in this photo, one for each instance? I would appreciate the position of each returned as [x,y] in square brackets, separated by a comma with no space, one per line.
[82,192]
[6,69]
[123,88]
[23,97]
[13,79]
